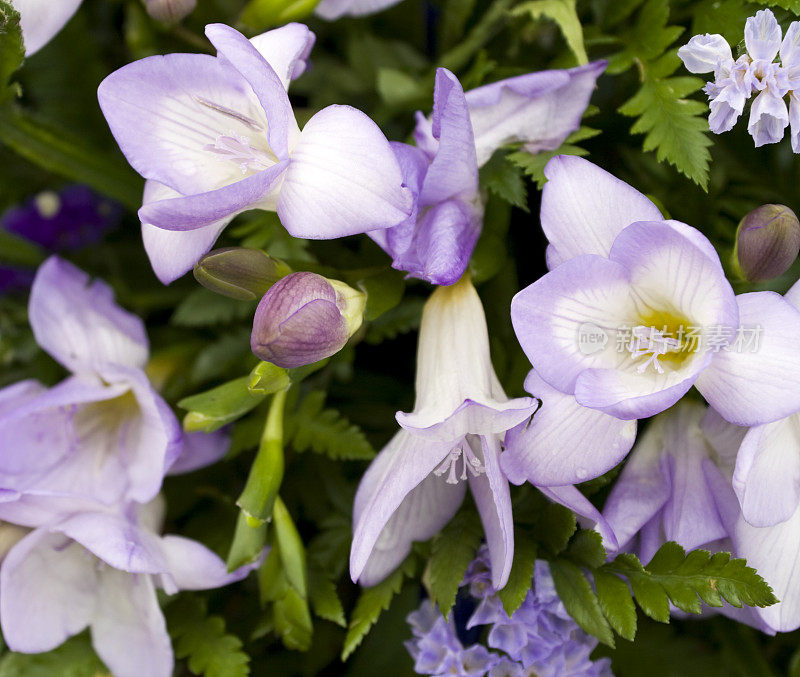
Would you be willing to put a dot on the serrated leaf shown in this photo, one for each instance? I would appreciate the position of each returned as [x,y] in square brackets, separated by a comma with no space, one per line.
[12,50]
[204,308]
[74,658]
[586,549]
[520,579]
[563,12]
[791,5]
[616,602]
[324,598]
[504,179]
[201,638]
[210,410]
[554,527]
[292,621]
[326,431]
[384,291]
[533,164]
[452,551]
[372,602]
[579,600]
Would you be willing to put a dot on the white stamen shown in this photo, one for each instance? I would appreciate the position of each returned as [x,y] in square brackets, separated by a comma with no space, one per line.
[651,341]
[244,119]
[471,463]
[238,150]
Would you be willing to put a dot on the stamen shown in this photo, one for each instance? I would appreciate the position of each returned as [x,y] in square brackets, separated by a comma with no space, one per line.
[651,341]
[238,150]
[471,463]
[244,119]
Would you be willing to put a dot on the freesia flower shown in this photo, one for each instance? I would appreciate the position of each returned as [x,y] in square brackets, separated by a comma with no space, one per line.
[101,570]
[103,433]
[538,110]
[220,136]
[753,72]
[666,489]
[655,293]
[40,20]
[452,439]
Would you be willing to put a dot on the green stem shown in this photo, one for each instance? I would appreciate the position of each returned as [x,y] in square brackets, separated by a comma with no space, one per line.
[266,473]
[489,25]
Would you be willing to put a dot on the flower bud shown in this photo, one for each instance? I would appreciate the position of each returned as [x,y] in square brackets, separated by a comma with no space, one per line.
[170,11]
[304,318]
[767,242]
[244,274]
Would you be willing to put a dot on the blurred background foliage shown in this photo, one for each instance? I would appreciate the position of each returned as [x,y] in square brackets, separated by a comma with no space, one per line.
[52,134]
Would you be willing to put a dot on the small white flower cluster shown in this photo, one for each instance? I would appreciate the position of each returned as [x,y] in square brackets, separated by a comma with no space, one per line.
[754,72]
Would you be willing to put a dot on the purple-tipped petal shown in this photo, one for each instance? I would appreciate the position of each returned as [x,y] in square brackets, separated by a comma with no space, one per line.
[173,253]
[748,384]
[493,500]
[769,118]
[767,475]
[402,465]
[192,566]
[564,443]
[286,50]
[48,587]
[343,179]
[200,450]
[78,323]
[191,212]
[762,35]
[128,630]
[40,20]
[584,208]
[704,53]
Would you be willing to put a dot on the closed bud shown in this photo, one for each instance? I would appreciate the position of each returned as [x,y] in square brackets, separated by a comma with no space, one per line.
[767,242]
[170,11]
[304,318]
[244,274]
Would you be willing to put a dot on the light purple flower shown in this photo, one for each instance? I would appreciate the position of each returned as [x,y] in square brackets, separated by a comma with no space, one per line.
[451,439]
[666,490]
[539,110]
[436,649]
[101,570]
[334,9]
[40,20]
[656,292]
[304,318]
[103,433]
[220,136]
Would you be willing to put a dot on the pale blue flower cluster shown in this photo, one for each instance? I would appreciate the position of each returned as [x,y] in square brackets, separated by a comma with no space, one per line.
[540,638]
[755,72]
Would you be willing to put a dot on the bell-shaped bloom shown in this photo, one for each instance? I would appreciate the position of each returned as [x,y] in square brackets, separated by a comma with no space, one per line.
[539,110]
[334,9]
[767,475]
[104,432]
[40,20]
[304,318]
[219,135]
[170,11]
[652,296]
[451,439]
[664,492]
[564,443]
[101,570]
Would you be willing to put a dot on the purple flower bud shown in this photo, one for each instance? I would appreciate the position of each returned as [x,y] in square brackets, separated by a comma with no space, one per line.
[304,318]
[240,273]
[169,11]
[767,242]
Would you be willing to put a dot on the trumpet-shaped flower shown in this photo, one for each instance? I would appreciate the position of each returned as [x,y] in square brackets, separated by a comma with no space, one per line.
[538,110]
[220,137]
[636,310]
[450,441]
[103,433]
[101,570]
